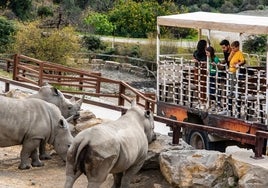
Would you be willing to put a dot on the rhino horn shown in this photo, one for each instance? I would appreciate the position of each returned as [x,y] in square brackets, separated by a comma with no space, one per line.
[70,118]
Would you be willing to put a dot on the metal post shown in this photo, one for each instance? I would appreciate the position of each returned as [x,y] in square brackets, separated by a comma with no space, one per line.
[266,110]
[157,60]
[208,74]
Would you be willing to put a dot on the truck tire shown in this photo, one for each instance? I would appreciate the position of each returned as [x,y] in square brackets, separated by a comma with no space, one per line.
[198,140]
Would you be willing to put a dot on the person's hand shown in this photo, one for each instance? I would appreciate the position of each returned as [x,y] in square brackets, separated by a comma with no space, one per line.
[237,65]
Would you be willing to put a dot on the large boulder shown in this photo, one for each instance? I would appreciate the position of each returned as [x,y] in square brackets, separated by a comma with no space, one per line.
[250,172]
[193,168]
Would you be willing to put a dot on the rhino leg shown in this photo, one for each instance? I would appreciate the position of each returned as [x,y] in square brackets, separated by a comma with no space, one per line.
[42,151]
[101,168]
[117,180]
[71,175]
[35,159]
[129,173]
[27,151]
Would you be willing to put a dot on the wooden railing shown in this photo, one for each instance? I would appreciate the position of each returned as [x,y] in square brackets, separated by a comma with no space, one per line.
[76,81]
[34,73]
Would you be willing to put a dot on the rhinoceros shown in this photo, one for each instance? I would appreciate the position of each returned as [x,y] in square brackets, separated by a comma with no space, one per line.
[119,147]
[68,108]
[28,122]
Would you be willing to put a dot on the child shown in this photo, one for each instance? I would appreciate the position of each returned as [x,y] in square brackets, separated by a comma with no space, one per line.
[236,59]
[213,61]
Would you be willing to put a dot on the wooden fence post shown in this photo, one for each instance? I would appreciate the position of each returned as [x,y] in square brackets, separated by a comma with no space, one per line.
[98,85]
[15,66]
[122,90]
[41,74]
[80,82]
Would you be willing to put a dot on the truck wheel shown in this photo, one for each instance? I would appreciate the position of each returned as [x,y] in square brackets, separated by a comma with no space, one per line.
[198,140]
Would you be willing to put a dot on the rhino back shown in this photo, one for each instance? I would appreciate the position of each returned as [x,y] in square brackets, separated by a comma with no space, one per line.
[123,138]
[22,119]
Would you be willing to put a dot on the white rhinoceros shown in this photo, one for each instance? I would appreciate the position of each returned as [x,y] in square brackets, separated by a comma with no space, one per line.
[28,122]
[119,147]
[68,107]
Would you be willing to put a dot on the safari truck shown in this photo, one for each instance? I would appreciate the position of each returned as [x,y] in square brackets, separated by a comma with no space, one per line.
[183,87]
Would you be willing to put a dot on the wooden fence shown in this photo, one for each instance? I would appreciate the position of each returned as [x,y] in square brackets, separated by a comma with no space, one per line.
[76,81]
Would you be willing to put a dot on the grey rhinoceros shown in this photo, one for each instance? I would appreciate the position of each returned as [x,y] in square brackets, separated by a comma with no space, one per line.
[119,147]
[68,107]
[28,122]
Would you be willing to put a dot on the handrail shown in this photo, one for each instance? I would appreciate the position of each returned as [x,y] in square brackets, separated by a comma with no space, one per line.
[38,72]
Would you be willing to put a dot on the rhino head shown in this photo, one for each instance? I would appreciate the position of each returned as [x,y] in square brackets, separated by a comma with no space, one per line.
[148,122]
[62,138]
[68,107]
[149,126]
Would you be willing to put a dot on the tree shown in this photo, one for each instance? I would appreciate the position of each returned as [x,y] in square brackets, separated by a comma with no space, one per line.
[100,23]
[53,45]
[100,5]
[7,30]
[22,9]
[132,19]
[255,44]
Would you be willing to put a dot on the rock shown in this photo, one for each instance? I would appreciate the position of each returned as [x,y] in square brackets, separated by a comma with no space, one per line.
[161,144]
[86,120]
[250,172]
[191,168]
[17,93]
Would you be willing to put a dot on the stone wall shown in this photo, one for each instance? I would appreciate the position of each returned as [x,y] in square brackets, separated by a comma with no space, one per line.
[97,64]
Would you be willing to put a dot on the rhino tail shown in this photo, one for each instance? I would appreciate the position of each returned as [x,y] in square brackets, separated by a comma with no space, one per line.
[82,159]
[82,153]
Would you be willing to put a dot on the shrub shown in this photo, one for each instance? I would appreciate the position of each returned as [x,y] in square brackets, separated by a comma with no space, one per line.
[44,11]
[53,45]
[92,43]
[255,44]
[7,30]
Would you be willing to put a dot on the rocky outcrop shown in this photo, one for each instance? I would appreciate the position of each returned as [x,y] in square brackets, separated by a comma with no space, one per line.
[183,166]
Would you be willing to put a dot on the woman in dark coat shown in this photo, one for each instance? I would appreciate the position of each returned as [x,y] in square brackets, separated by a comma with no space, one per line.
[200,59]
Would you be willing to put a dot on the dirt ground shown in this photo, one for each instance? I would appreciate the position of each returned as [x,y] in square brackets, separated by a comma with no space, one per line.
[53,174]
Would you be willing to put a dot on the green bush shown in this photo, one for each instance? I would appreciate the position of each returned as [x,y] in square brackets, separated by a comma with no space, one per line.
[255,44]
[7,30]
[22,9]
[100,23]
[135,19]
[55,45]
[44,11]
[92,43]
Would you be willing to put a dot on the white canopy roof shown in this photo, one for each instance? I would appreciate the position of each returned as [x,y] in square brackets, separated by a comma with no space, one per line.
[217,21]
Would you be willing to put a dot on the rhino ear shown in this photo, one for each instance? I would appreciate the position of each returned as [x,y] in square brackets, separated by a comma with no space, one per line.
[72,100]
[45,84]
[147,113]
[55,91]
[80,101]
[62,124]
[133,102]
